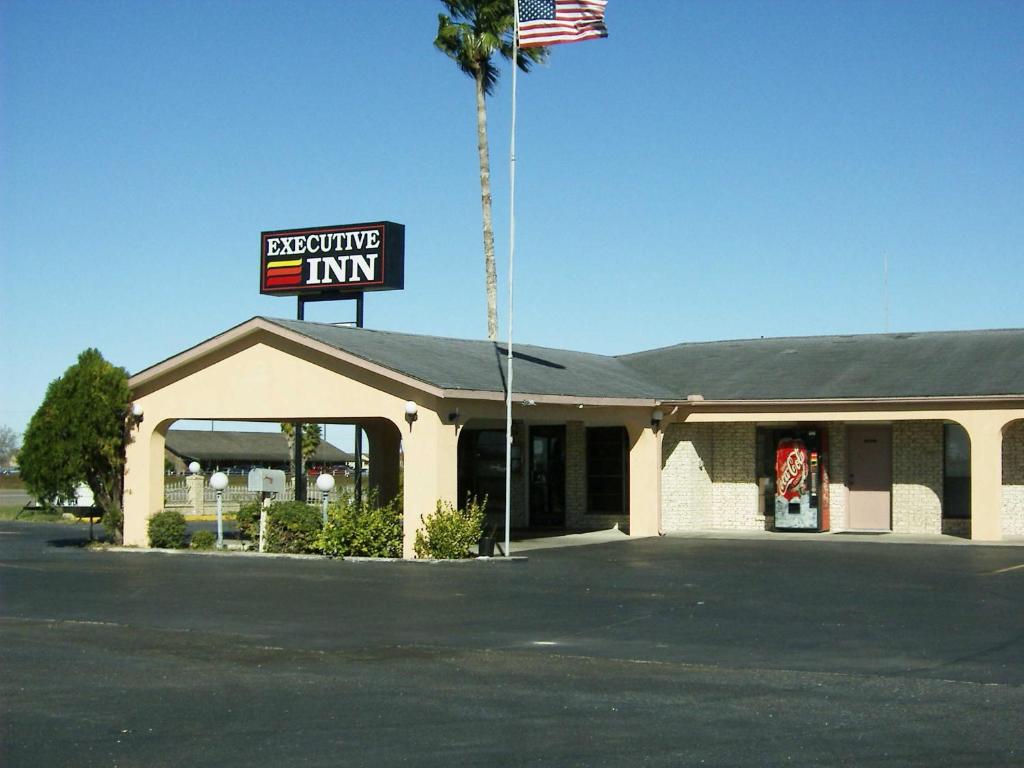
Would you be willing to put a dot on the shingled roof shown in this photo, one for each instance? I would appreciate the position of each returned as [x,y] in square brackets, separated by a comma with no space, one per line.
[461,364]
[875,366]
[893,365]
[244,447]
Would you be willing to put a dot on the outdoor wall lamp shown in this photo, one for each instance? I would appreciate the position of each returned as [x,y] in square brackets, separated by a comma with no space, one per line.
[410,411]
[453,416]
[137,412]
[656,417]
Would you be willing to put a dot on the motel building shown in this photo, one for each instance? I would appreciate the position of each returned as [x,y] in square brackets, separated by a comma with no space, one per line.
[916,433]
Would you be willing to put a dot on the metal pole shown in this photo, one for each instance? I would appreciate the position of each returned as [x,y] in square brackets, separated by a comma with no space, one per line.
[300,477]
[220,520]
[359,432]
[511,258]
[324,506]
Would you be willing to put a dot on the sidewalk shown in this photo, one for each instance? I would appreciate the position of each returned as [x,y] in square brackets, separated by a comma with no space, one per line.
[839,537]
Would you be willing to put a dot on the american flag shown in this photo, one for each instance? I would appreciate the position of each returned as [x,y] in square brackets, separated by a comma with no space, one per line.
[547,22]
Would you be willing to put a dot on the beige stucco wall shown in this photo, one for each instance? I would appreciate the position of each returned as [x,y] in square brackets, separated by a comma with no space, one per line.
[1013,480]
[264,378]
[917,472]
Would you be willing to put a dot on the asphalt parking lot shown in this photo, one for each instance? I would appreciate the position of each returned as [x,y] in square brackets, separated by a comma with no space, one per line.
[665,652]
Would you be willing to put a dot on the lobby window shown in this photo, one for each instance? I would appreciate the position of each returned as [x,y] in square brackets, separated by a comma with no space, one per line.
[607,471]
[956,490]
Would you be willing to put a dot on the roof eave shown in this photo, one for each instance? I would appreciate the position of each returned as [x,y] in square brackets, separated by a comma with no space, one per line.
[155,372]
[931,402]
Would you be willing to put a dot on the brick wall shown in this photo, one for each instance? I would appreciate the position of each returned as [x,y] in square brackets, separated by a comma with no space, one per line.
[733,470]
[917,473]
[685,477]
[839,519]
[1013,480]
[707,478]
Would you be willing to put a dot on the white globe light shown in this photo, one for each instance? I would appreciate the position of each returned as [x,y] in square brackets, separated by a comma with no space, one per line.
[194,467]
[218,481]
[325,483]
[410,408]
[136,410]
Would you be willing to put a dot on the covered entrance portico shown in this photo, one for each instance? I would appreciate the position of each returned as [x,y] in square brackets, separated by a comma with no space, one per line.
[278,371]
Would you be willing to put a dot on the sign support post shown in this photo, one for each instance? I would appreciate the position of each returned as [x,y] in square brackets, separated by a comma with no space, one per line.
[331,263]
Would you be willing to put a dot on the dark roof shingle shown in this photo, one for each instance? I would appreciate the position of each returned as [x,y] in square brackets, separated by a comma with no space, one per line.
[895,365]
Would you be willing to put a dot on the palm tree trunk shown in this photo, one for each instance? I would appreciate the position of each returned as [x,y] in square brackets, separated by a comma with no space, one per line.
[485,202]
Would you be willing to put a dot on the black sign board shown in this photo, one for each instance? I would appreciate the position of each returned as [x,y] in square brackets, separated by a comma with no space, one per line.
[322,261]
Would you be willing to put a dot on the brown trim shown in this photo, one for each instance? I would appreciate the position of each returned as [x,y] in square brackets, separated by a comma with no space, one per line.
[879,403]
[519,397]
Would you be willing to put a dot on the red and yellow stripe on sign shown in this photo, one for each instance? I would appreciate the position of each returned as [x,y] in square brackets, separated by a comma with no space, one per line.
[284,272]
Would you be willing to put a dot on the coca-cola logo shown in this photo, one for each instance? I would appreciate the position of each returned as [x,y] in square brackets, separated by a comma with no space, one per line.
[790,469]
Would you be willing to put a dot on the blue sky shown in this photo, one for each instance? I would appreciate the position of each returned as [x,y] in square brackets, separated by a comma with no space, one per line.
[712,170]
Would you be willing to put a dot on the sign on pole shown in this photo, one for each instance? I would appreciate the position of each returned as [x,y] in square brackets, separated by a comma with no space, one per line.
[326,261]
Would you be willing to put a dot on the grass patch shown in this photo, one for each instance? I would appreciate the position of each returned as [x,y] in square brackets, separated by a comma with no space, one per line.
[29,515]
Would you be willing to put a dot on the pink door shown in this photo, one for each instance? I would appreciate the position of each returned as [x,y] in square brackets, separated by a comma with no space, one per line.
[869,477]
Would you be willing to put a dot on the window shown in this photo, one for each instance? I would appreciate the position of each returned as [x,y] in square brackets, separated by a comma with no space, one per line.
[607,471]
[956,491]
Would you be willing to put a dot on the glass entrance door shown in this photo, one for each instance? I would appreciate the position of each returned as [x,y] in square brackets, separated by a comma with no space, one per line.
[547,476]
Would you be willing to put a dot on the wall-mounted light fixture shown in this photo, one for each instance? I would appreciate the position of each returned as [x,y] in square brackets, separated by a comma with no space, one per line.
[410,412]
[656,417]
[453,416]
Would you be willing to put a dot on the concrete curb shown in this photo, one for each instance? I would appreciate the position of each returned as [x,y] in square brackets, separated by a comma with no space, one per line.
[290,556]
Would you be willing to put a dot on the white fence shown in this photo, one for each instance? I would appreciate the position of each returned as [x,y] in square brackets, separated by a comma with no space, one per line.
[192,495]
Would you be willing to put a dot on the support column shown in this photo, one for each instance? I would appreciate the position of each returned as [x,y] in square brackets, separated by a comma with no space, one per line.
[985,431]
[196,488]
[644,480]
[430,451]
[143,482]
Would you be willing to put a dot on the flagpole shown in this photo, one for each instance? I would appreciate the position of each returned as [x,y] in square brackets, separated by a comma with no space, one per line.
[511,262]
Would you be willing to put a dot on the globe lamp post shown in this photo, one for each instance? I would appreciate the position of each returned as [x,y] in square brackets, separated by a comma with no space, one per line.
[219,481]
[325,483]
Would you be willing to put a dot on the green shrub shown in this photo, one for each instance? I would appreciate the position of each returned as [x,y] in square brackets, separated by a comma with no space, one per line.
[293,527]
[203,540]
[248,519]
[167,530]
[450,533]
[366,530]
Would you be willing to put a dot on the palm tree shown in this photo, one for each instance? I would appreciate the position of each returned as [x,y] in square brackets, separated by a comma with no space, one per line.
[471,33]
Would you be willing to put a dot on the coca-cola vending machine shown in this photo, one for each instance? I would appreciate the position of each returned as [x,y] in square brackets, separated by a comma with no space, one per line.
[801,482]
